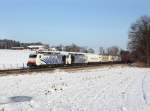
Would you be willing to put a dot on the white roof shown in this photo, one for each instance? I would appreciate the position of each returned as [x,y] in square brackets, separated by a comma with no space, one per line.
[36,46]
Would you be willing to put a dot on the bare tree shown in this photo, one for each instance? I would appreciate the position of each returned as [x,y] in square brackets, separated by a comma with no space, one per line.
[101,50]
[72,48]
[114,50]
[84,49]
[60,47]
[139,39]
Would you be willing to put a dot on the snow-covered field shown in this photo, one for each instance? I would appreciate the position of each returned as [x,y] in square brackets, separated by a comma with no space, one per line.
[102,89]
[13,58]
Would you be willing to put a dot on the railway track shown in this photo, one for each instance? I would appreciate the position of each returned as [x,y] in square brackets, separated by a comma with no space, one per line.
[30,70]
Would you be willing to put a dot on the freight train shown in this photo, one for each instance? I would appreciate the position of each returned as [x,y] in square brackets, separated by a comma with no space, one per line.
[56,58]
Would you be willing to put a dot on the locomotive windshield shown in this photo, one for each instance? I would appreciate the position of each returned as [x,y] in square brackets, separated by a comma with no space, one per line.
[32,56]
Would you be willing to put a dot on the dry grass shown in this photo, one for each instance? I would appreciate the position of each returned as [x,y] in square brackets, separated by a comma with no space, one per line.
[140,64]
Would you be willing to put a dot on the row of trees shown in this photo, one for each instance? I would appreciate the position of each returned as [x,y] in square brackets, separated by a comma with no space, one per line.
[74,48]
[7,44]
[114,50]
[139,40]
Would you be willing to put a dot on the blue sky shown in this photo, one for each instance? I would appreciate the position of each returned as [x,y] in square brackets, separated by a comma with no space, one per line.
[91,23]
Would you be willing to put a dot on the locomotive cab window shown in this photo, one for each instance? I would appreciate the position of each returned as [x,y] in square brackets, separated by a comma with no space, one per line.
[32,56]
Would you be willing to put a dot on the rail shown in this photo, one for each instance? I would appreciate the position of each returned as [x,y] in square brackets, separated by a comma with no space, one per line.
[42,69]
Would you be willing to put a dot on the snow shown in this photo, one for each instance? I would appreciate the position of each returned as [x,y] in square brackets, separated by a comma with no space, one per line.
[10,59]
[101,89]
